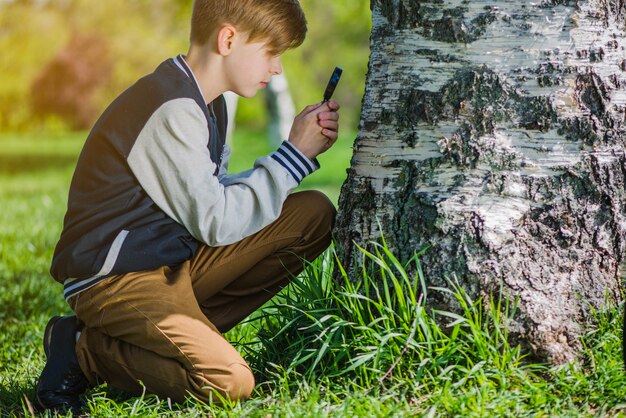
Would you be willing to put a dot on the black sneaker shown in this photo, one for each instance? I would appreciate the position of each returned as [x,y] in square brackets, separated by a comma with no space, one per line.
[62,381]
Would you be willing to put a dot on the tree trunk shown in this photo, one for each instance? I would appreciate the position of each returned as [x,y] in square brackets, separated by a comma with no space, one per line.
[494,131]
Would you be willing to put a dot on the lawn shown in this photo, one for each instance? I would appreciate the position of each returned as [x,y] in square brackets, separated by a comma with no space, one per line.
[322,349]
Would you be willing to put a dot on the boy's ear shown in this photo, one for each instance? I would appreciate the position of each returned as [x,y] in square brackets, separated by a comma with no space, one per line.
[225,38]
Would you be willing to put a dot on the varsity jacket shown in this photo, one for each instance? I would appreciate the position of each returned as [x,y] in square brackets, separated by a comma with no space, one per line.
[151,183]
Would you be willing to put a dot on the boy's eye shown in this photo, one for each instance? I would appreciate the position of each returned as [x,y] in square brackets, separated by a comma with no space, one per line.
[272,53]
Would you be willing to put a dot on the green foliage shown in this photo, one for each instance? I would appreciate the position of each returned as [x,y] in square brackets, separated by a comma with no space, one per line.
[139,34]
[377,332]
[329,345]
[338,36]
[24,51]
[375,335]
[66,85]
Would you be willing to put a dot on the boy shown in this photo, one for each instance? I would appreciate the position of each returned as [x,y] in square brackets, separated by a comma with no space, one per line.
[161,250]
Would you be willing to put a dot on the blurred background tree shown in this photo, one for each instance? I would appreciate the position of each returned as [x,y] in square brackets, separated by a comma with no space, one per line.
[63,61]
[65,87]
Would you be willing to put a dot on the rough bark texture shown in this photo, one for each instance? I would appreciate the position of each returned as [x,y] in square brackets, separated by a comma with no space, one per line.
[495,131]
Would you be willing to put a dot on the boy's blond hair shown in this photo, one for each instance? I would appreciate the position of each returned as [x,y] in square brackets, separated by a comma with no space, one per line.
[279,22]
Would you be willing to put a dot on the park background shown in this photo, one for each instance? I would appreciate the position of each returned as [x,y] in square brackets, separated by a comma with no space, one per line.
[114,43]
[322,349]
[61,63]
[64,61]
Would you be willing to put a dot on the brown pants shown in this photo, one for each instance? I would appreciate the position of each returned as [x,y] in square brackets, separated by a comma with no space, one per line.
[163,327]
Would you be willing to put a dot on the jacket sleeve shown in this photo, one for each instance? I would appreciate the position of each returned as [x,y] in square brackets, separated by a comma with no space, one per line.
[225,160]
[171,161]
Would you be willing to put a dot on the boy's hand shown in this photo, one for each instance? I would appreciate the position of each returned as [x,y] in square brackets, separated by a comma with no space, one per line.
[315,129]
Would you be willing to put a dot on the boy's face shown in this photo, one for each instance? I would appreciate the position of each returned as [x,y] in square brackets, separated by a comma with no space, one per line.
[250,66]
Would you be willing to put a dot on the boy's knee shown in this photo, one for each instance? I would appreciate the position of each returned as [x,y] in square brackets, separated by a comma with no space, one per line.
[316,209]
[240,383]
[235,385]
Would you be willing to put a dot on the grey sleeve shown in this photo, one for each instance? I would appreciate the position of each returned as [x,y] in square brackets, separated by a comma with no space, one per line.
[225,159]
[171,161]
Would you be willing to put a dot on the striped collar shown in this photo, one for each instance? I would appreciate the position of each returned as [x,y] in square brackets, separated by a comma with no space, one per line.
[182,64]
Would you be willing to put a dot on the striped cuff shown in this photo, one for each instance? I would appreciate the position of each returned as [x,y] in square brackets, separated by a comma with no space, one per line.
[298,165]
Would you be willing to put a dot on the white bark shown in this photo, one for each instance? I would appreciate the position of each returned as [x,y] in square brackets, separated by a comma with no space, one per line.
[495,131]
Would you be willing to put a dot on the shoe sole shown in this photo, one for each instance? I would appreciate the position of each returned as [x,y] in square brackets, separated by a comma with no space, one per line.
[47,334]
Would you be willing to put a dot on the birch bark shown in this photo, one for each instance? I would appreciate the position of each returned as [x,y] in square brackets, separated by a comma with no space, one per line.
[494,131]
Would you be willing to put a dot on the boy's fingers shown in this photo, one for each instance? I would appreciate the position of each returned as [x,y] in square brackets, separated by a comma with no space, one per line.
[328,116]
[329,124]
[330,134]
[322,107]
[311,108]
[332,105]
[329,107]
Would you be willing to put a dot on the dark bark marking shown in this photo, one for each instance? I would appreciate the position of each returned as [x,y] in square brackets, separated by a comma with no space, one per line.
[549,4]
[536,113]
[416,106]
[473,91]
[436,56]
[592,94]
[399,13]
[357,194]
[452,27]
[576,129]
[550,74]
[596,54]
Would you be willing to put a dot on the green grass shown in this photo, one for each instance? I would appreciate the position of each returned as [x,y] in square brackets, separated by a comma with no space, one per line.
[327,346]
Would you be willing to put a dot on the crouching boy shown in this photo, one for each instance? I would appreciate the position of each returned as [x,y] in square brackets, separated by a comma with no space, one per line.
[161,249]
